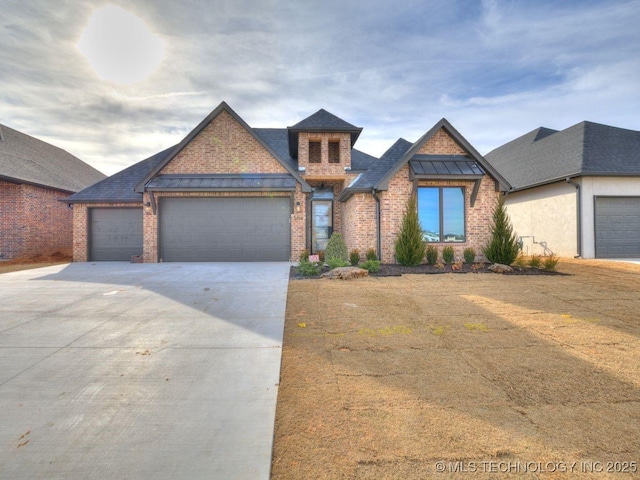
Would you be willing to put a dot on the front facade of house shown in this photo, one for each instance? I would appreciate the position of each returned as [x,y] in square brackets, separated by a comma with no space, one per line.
[576,192]
[230,192]
[34,176]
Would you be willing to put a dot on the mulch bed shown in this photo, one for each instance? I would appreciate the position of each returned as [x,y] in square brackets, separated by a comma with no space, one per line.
[391,270]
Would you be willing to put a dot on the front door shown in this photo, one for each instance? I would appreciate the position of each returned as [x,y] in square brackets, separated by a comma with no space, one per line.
[321,224]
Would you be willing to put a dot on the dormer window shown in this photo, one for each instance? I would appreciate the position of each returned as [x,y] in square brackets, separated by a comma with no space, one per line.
[315,151]
[334,151]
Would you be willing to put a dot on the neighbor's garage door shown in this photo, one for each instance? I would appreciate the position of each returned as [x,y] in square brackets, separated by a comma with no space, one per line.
[225,229]
[115,233]
[617,227]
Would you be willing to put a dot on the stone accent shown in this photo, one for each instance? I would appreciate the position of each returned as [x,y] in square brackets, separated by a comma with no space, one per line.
[500,268]
[33,221]
[345,273]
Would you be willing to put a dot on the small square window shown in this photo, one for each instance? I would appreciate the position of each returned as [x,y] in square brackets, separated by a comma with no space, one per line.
[334,151]
[315,152]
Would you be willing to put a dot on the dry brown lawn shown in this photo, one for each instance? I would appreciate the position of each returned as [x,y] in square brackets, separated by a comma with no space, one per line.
[37,261]
[494,376]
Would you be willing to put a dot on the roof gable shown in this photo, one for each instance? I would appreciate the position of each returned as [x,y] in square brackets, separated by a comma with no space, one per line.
[223,107]
[443,124]
[25,159]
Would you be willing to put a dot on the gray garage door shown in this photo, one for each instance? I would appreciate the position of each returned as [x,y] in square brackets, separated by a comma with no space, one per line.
[225,229]
[115,234]
[617,227]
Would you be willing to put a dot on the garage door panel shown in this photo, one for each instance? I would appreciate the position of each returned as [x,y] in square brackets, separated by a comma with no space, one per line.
[115,234]
[617,227]
[225,229]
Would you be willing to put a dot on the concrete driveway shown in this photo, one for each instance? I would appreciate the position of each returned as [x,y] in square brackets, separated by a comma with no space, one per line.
[117,370]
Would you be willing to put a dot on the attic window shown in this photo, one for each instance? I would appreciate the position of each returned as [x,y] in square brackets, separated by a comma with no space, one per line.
[314,151]
[334,151]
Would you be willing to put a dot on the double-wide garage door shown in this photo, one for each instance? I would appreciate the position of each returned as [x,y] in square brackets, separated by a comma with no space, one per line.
[225,229]
[115,233]
[617,227]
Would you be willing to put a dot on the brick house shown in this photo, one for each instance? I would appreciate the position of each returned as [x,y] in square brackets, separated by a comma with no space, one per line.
[230,192]
[34,176]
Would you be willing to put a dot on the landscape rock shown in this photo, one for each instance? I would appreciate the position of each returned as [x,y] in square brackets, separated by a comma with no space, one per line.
[346,273]
[500,268]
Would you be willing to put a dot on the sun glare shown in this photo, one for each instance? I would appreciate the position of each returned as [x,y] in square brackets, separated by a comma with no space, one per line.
[119,46]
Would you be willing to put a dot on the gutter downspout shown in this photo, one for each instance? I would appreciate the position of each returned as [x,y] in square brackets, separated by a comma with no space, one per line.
[579,214]
[379,240]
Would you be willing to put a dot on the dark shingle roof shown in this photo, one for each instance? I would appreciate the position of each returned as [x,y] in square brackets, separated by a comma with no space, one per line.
[388,160]
[361,161]
[545,156]
[26,159]
[321,121]
[120,187]
[223,182]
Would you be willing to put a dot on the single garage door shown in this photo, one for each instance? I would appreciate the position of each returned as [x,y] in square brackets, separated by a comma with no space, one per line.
[115,234]
[225,229]
[617,227]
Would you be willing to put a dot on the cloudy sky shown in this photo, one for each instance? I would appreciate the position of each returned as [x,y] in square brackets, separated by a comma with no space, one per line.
[114,82]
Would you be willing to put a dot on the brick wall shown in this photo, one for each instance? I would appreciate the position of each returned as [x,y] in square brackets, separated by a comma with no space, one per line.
[324,168]
[441,144]
[359,223]
[12,228]
[392,206]
[224,146]
[33,221]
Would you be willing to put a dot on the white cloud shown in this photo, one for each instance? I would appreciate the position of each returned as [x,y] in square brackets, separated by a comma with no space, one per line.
[496,70]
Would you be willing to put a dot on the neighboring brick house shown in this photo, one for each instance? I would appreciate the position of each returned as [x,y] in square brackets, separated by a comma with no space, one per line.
[34,176]
[230,192]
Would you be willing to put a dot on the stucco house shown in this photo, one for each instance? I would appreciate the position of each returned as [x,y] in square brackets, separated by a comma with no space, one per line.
[576,192]
[34,175]
[230,192]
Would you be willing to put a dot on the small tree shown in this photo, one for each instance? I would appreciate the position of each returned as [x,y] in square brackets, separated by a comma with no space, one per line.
[336,249]
[410,247]
[432,254]
[503,246]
